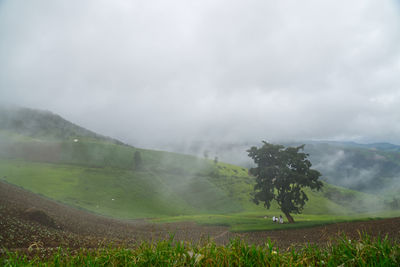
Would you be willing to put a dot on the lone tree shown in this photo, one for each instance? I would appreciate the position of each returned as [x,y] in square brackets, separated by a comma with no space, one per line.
[281,174]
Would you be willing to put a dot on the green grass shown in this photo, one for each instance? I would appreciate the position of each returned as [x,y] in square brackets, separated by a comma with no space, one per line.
[261,221]
[100,177]
[153,193]
[136,194]
[342,252]
[90,173]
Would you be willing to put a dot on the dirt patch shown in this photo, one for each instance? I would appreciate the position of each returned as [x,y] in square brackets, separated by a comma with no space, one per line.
[39,216]
[322,235]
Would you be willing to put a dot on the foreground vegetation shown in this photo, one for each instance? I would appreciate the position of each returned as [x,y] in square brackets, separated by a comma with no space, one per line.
[364,252]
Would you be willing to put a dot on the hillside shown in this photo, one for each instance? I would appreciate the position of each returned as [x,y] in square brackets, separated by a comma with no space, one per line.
[26,219]
[48,155]
[25,123]
[100,175]
[29,220]
[370,168]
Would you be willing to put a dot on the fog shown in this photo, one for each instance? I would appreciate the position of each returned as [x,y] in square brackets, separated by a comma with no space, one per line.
[158,74]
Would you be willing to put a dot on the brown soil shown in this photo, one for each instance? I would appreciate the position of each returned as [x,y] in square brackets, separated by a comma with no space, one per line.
[40,216]
[29,220]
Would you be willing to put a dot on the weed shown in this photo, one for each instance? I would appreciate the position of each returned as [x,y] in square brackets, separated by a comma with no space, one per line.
[341,252]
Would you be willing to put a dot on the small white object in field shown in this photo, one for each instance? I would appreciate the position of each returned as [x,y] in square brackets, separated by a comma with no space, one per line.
[76,140]
[112,199]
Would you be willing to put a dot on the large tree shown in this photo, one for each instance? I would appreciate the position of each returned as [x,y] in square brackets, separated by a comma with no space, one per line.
[281,174]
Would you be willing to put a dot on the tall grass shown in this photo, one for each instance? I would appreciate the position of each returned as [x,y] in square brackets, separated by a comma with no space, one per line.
[341,252]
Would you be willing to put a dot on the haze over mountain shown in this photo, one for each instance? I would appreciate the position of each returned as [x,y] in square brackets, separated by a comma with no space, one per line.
[159,72]
[48,155]
[42,136]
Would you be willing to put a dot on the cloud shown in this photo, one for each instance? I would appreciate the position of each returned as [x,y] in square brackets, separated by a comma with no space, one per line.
[167,71]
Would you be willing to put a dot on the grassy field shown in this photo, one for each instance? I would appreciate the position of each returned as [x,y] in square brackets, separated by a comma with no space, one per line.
[99,174]
[342,252]
[173,187]
[118,192]
[260,221]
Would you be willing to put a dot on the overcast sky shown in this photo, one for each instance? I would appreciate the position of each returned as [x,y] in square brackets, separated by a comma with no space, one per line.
[149,71]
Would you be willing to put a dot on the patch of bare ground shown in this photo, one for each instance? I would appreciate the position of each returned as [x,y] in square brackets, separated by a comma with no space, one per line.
[28,220]
[322,235]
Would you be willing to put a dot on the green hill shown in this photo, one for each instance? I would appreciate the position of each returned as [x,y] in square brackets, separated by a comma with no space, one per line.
[25,123]
[50,156]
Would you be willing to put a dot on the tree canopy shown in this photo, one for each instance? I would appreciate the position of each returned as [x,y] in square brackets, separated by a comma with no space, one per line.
[281,174]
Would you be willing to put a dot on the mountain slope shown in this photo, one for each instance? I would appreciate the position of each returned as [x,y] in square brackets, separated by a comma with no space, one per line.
[370,168]
[41,124]
[367,168]
[104,176]
[48,155]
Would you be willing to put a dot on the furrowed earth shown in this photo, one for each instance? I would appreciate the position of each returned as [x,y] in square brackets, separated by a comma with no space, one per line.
[29,221]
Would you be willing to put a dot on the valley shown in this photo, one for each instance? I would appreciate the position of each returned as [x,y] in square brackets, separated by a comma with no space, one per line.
[77,189]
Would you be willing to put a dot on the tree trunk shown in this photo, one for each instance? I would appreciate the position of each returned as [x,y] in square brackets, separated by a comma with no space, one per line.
[289,217]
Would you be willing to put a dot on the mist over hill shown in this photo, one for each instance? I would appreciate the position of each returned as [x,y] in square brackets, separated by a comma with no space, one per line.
[46,154]
[49,155]
[372,168]
[43,124]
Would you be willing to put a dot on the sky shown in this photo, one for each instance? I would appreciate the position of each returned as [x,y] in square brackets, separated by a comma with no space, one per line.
[152,72]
